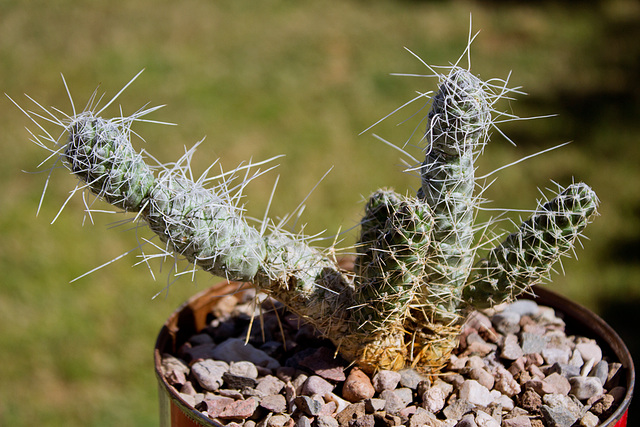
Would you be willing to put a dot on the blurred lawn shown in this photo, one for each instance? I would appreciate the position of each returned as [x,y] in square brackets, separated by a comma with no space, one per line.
[266,78]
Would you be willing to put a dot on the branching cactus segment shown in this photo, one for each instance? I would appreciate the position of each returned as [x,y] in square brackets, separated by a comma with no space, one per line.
[414,278]
[526,257]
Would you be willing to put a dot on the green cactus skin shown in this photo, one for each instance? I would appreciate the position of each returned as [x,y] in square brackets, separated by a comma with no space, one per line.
[457,124]
[526,257]
[396,232]
[414,279]
[392,251]
[99,153]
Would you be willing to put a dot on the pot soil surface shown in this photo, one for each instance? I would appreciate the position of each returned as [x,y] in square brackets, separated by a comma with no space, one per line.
[256,364]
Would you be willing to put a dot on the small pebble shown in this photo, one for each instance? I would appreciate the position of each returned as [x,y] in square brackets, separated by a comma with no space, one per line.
[559,410]
[317,385]
[309,406]
[556,355]
[327,421]
[524,307]
[590,351]
[275,403]
[589,420]
[374,405]
[394,403]
[533,343]
[506,322]
[268,385]
[511,349]
[467,420]
[434,399]
[600,371]
[357,386]
[239,409]
[235,350]
[475,393]
[505,383]
[584,388]
[411,378]
[209,373]
[485,420]
[556,384]
[518,421]
[386,380]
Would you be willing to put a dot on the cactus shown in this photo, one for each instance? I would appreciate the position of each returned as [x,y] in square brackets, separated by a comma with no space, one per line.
[414,278]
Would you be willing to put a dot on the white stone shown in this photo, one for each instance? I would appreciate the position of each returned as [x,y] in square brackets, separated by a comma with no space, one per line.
[485,420]
[434,399]
[474,392]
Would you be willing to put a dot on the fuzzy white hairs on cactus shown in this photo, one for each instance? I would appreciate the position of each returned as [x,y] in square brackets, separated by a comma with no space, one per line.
[415,275]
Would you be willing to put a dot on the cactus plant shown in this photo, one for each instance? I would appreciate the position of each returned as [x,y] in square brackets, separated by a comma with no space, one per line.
[415,275]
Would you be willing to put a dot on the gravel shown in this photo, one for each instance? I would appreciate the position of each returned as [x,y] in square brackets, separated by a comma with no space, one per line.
[515,366]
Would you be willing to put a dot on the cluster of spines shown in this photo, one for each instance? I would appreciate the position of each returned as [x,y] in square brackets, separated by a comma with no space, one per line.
[99,153]
[456,129]
[395,236]
[527,256]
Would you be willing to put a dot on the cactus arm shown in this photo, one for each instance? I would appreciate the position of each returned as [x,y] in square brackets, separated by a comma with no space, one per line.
[394,242]
[95,146]
[527,256]
[456,132]
[205,226]
[195,222]
[393,245]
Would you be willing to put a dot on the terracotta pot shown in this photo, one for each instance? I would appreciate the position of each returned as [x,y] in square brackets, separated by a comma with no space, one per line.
[195,315]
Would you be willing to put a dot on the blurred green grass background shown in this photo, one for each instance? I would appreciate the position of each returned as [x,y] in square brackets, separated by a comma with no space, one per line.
[278,77]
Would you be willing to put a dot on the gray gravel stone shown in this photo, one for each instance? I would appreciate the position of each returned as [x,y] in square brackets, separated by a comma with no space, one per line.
[238,382]
[600,371]
[556,355]
[411,378]
[532,343]
[511,349]
[308,405]
[235,350]
[457,409]
[560,411]
[327,421]
[317,385]
[374,404]
[584,388]
[394,402]
[386,380]
[485,420]
[506,322]
[269,385]
[467,421]
[243,369]
[523,307]
[434,399]
[518,421]
[209,373]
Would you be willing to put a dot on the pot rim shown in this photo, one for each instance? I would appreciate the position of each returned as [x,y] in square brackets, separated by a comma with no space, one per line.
[580,320]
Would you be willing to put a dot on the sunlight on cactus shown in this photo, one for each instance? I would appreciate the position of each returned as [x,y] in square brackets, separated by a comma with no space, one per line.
[416,273]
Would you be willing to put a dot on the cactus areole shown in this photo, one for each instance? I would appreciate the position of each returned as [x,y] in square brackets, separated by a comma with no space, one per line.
[416,273]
